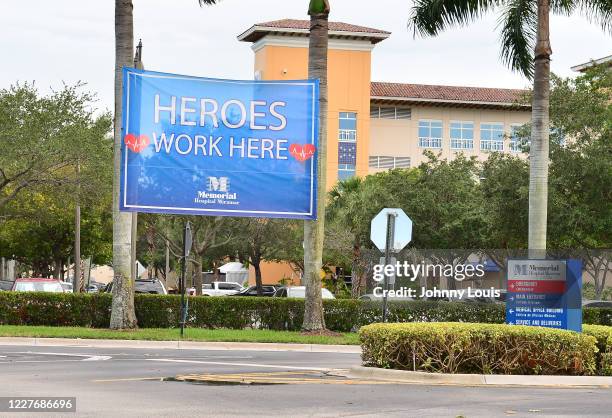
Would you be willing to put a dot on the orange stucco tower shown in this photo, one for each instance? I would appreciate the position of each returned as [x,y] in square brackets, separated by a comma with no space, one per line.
[281,53]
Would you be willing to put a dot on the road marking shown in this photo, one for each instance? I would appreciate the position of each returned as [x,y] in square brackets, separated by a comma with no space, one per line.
[221,363]
[88,357]
[128,379]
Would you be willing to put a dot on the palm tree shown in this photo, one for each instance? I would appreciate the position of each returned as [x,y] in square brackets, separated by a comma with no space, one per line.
[123,315]
[345,207]
[314,231]
[525,42]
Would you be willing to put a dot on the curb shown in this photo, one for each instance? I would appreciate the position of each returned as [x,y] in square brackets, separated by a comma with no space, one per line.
[181,345]
[405,376]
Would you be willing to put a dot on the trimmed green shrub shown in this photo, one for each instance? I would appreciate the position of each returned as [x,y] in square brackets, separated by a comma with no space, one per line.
[603,335]
[157,311]
[450,347]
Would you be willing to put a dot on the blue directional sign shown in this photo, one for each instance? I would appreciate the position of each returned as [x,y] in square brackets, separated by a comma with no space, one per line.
[202,146]
[545,293]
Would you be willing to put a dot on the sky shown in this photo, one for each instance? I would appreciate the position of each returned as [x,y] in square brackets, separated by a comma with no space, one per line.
[65,41]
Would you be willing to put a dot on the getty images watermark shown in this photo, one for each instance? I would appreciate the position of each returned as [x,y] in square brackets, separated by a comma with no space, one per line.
[410,271]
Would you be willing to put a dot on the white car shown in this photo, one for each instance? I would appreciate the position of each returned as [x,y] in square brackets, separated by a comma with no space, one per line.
[221,288]
[300,292]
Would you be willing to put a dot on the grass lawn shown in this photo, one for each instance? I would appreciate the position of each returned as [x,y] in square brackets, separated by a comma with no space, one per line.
[164,334]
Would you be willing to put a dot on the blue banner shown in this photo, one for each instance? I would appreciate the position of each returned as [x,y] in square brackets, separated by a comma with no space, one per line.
[200,146]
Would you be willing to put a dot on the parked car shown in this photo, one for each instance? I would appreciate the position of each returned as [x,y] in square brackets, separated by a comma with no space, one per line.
[300,292]
[221,288]
[67,286]
[6,285]
[37,285]
[252,291]
[597,304]
[152,286]
[94,287]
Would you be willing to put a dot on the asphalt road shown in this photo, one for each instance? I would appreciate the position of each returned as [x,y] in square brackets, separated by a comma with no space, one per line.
[177,383]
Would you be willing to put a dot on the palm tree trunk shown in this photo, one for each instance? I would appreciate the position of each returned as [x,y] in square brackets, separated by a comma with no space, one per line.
[123,315]
[538,154]
[314,231]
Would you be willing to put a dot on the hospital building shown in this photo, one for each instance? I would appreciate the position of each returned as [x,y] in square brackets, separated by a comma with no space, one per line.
[379,125]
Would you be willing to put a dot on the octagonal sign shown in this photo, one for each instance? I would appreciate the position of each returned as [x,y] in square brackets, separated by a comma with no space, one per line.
[402,231]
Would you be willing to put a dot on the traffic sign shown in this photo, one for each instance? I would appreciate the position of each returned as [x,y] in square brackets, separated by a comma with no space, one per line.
[402,233]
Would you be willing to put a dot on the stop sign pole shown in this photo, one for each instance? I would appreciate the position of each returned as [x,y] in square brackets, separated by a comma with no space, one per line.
[390,231]
[388,246]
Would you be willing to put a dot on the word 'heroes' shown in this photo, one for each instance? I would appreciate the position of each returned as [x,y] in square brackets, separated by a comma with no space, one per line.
[234,114]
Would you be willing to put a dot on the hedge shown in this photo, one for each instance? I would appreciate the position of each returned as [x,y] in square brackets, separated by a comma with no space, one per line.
[156,311]
[450,347]
[603,335]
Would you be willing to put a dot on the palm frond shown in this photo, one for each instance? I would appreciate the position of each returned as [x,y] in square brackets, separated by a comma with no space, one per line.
[208,2]
[598,11]
[429,17]
[518,25]
[563,7]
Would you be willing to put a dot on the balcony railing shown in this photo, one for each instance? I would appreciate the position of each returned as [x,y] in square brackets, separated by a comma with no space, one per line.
[489,145]
[429,142]
[462,143]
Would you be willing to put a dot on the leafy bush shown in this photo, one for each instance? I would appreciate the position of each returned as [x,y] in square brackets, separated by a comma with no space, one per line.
[156,311]
[450,347]
[603,335]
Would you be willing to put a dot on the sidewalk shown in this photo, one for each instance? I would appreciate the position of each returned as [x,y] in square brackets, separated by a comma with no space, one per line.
[405,376]
[182,345]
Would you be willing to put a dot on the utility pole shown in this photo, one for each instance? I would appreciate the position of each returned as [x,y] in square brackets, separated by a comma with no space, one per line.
[76,280]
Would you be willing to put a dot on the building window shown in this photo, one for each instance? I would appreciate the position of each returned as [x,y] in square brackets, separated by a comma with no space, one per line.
[517,143]
[390,112]
[346,171]
[388,162]
[430,133]
[492,136]
[348,127]
[347,145]
[462,135]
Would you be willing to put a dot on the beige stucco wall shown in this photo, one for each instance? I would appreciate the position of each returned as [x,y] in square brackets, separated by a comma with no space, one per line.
[399,138]
[348,91]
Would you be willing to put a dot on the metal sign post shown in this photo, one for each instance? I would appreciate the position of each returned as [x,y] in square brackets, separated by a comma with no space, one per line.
[388,247]
[390,231]
[187,241]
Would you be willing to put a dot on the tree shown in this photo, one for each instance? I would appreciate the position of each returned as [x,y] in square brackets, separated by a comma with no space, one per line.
[261,239]
[505,188]
[525,40]
[44,138]
[38,137]
[314,231]
[581,171]
[123,314]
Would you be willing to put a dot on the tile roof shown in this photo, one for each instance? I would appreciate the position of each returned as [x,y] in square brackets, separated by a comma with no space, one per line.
[337,29]
[305,24]
[451,94]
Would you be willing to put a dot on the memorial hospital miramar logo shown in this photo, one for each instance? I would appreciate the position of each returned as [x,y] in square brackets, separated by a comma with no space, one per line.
[217,192]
